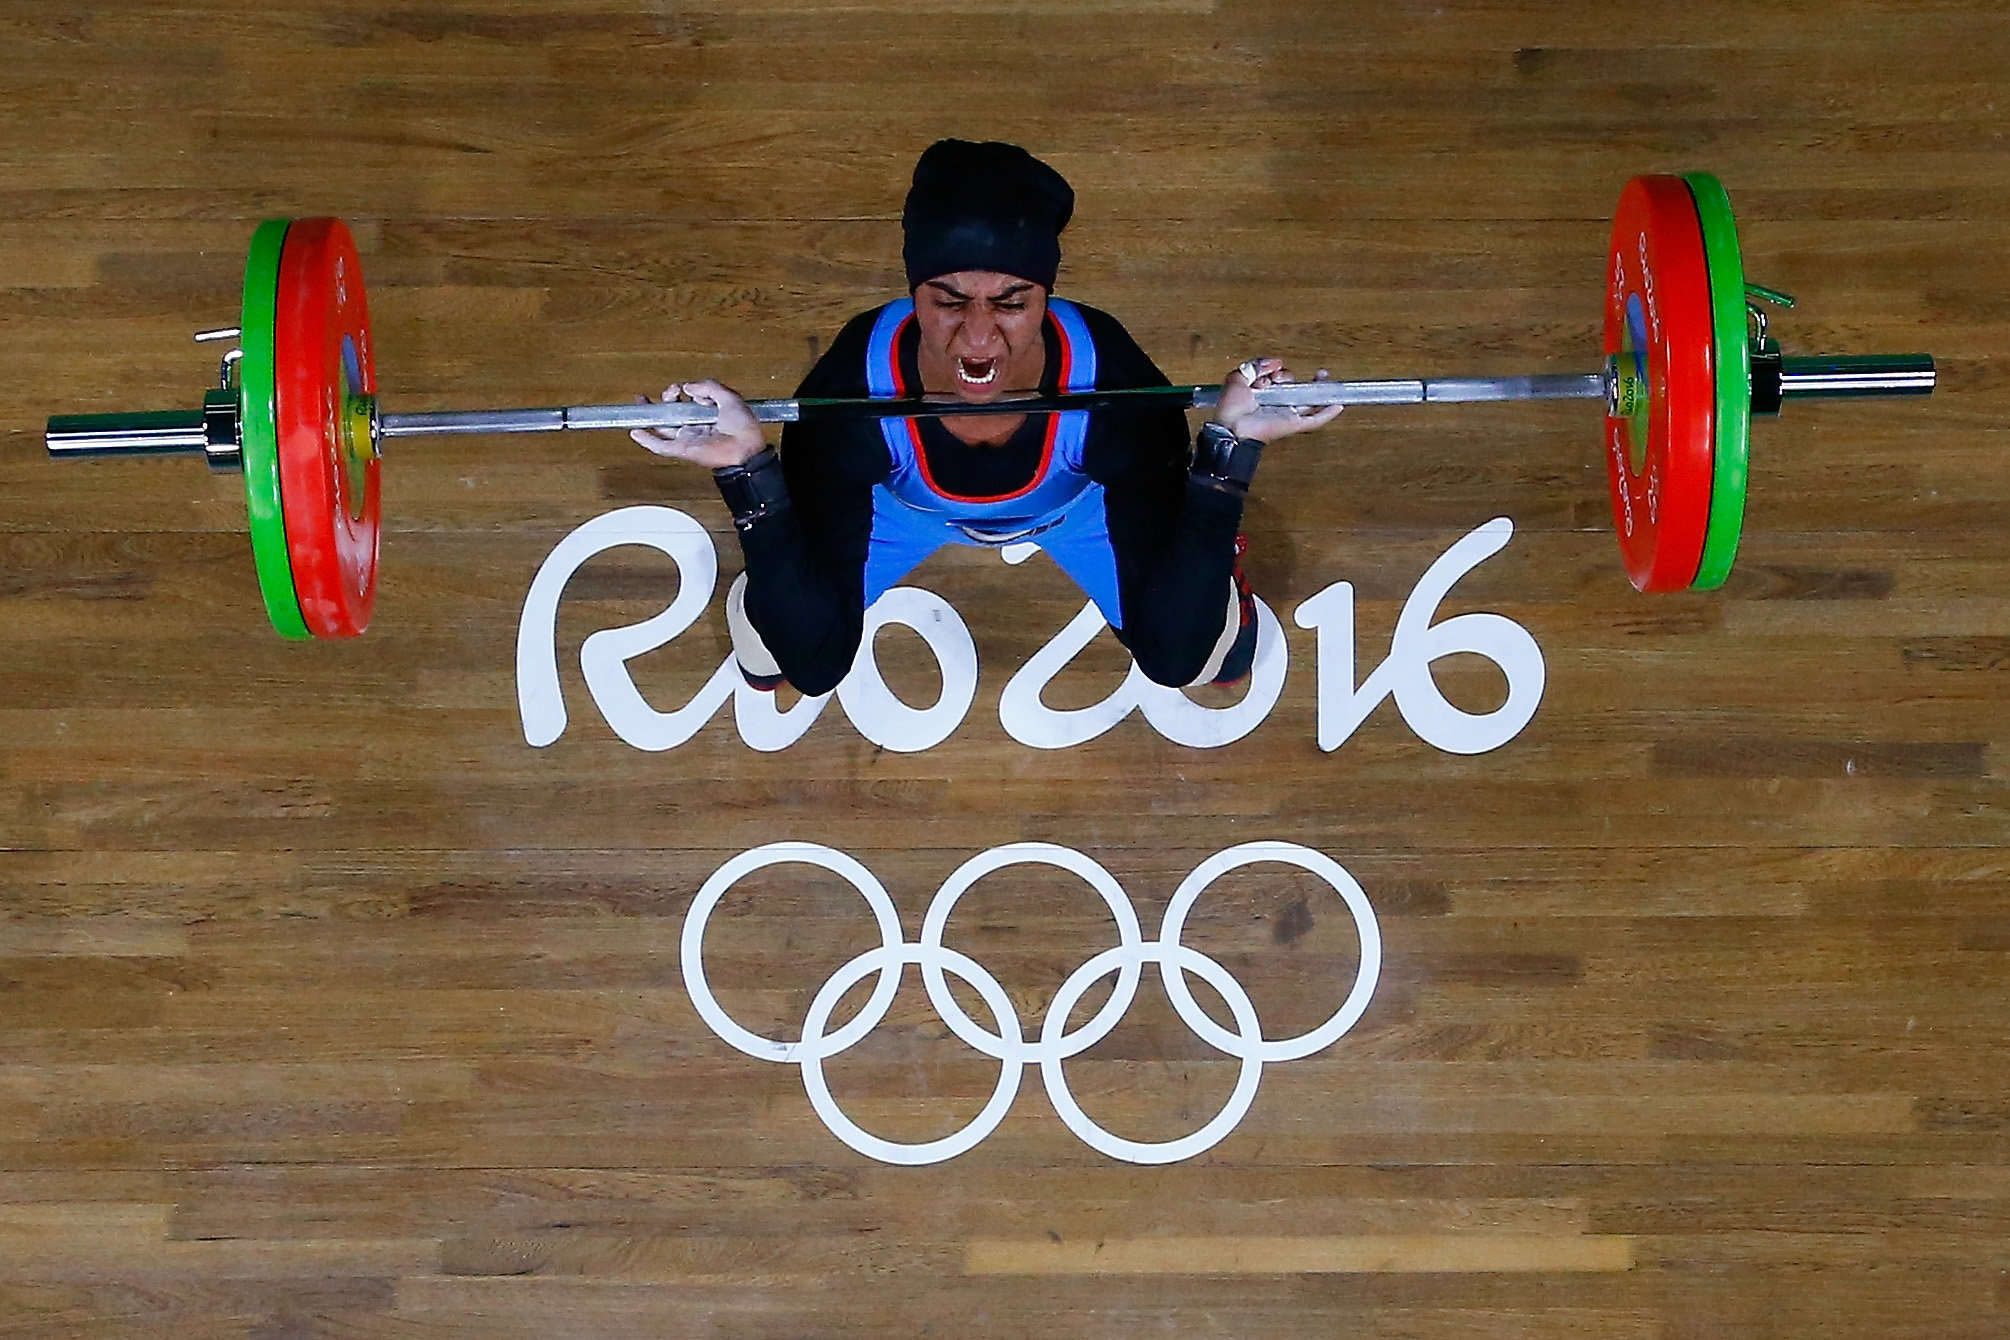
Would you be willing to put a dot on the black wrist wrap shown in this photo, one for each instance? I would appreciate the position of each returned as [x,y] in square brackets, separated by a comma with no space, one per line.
[753,490]
[1223,461]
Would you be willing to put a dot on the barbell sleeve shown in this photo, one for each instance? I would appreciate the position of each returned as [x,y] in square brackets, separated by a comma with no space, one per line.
[165,433]
[1856,375]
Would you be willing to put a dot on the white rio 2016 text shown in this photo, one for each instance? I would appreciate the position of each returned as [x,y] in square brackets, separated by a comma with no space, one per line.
[883,718]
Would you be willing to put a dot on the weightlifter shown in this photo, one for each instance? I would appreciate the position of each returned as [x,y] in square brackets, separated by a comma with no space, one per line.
[1145,523]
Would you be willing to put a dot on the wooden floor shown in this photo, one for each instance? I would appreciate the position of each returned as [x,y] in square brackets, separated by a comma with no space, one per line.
[331,1007]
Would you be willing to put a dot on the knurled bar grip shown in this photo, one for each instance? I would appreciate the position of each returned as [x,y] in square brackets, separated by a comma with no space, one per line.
[1446,390]
[1872,375]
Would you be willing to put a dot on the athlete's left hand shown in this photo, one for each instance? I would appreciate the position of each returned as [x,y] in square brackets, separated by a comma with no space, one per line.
[1240,414]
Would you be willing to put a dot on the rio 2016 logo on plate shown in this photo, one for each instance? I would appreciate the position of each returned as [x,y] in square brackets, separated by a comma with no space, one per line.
[883,718]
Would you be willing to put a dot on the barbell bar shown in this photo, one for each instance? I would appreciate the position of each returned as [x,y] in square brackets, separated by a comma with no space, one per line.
[170,432]
[175,432]
[1688,361]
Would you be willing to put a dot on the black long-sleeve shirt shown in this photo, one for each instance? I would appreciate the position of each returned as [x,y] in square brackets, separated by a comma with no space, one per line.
[1174,539]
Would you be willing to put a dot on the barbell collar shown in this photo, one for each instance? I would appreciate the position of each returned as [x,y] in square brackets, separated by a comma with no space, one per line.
[1766,360]
[222,431]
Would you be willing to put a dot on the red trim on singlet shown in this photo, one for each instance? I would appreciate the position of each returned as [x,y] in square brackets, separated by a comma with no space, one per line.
[1046,448]
[899,377]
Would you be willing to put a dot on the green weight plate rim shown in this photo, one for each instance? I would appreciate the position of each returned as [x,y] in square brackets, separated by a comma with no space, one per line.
[259,428]
[1734,381]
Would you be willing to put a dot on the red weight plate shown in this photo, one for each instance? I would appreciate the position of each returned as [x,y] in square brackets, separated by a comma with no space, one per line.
[1658,319]
[324,374]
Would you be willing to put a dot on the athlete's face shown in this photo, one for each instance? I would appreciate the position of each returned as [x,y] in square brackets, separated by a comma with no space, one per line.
[980,333]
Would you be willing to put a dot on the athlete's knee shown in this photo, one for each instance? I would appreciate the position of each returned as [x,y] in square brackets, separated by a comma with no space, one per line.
[1202,647]
[1171,662]
[813,672]
[1171,670]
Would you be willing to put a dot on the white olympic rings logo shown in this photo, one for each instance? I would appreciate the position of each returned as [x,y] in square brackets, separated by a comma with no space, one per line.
[1056,1043]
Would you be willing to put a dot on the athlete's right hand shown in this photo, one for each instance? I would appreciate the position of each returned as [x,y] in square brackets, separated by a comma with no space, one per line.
[1238,411]
[734,439]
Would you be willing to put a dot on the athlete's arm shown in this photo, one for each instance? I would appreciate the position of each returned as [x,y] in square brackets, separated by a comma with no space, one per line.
[804,521]
[806,567]
[1174,537]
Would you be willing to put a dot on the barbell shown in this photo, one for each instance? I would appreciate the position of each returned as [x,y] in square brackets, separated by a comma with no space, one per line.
[1688,362]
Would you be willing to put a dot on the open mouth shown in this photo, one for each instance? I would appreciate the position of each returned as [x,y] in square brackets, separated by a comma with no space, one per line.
[977,371]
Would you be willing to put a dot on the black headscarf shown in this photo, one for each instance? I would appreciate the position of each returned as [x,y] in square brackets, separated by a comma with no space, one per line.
[987,206]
